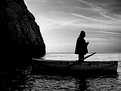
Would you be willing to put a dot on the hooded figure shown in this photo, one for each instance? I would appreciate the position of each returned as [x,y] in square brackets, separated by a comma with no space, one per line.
[81,46]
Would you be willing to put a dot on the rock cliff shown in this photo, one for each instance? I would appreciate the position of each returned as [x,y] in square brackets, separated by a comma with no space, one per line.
[20,35]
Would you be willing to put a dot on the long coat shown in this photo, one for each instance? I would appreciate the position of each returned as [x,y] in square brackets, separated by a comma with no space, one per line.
[81,46]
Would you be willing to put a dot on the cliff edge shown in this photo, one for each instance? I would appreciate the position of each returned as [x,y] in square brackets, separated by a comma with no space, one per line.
[20,35]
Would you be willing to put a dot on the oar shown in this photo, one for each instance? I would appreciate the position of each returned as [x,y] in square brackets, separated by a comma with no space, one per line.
[82,59]
[88,56]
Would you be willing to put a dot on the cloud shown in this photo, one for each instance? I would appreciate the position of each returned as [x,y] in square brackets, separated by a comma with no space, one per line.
[89,18]
[110,32]
[112,6]
[62,20]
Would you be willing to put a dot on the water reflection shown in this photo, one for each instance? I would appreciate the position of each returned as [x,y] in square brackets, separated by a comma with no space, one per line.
[82,84]
[19,79]
[69,83]
[51,83]
[104,84]
[13,77]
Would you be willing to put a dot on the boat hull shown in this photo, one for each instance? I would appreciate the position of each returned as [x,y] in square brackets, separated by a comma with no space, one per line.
[87,67]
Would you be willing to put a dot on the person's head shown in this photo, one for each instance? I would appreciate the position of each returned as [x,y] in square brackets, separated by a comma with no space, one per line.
[82,34]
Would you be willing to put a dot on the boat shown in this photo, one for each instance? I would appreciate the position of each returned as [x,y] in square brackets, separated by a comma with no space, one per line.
[74,66]
[86,67]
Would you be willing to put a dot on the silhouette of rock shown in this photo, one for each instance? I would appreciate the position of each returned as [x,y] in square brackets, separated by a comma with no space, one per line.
[20,35]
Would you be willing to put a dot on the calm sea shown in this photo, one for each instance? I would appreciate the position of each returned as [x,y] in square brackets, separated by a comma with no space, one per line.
[95,57]
[46,82]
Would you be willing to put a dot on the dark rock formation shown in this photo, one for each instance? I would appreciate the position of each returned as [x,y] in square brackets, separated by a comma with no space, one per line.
[20,35]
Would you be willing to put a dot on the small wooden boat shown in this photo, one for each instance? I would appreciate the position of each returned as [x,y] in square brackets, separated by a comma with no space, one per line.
[74,66]
[61,66]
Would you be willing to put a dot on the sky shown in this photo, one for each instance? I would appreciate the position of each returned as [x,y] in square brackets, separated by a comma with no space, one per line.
[61,21]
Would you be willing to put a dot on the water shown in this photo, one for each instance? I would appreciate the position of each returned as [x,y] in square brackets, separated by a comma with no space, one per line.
[95,57]
[21,79]
[68,83]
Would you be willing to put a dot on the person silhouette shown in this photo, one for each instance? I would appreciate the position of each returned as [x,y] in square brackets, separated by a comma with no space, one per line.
[81,46]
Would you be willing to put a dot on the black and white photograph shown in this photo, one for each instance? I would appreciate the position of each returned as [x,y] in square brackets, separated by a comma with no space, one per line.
[60,45]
